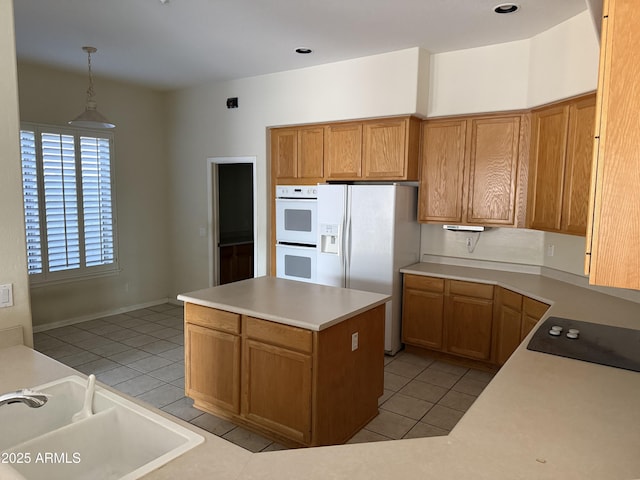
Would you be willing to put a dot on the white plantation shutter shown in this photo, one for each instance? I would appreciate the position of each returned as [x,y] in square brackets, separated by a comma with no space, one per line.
[67,187]
[60,201]
[31,206]
[96,197]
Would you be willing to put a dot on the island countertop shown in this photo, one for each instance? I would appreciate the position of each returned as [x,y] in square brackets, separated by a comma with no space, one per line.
[299,304]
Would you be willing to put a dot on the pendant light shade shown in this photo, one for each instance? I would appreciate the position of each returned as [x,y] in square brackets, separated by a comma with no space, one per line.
[91,118]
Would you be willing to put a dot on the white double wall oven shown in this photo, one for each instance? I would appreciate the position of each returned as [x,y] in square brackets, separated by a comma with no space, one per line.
[296,232]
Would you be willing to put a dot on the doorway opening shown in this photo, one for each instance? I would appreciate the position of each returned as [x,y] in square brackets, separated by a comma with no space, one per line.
[232,219]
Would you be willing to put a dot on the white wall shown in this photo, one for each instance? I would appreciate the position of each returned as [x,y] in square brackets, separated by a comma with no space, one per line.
[559,63]
[484,79]
[140,157]
[201,127]
[564,61]
[513,245]
[13,258]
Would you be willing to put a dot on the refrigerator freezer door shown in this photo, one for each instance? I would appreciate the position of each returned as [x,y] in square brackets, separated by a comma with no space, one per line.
[331,211]
[371,245]
[371,237]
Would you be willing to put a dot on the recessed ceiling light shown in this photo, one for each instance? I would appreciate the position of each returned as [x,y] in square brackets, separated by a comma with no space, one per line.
[303,51]
[506,8]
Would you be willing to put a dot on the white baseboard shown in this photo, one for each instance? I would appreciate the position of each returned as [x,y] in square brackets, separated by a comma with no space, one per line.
[108,313]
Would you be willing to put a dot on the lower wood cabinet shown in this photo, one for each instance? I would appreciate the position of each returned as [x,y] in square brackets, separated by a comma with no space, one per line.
[467,319]
[514,317]
[447,315]
[212,338]
[297,386]
[507,324]
[423,311]
[532,312]
[280,402]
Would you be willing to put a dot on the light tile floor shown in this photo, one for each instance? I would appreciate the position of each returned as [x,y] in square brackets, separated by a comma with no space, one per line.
[141,353]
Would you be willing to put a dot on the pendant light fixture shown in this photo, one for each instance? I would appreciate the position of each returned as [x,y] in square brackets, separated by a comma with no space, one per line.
[91,118]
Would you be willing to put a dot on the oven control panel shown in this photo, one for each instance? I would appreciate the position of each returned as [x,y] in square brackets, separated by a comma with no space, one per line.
[296,191]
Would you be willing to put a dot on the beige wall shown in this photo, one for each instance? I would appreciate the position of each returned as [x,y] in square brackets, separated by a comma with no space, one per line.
[52,96]
[13,259]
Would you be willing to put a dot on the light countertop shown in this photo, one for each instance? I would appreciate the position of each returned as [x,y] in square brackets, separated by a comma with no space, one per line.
[304,305]
[542,417]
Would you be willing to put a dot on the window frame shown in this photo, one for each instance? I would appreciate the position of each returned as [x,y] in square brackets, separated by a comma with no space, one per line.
[82,272]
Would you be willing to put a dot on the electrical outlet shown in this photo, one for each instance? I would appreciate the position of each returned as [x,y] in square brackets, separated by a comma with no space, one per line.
[551,250]
[6,295]
[468,242]
[354,341]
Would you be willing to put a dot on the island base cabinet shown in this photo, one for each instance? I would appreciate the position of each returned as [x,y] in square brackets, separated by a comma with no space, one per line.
[210,340]
[348,380]
[296,386]
[277,390]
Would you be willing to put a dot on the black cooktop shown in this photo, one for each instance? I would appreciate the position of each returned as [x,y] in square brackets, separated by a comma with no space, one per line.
[602,344]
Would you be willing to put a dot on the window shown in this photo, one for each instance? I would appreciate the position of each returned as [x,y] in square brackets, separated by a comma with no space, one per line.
[67,184]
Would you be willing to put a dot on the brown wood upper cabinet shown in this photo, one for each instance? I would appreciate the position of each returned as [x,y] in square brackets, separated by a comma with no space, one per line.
[379,149]
[560,166]
[473,170]
[382,149]
[298,153]
[612,254]
[343,146]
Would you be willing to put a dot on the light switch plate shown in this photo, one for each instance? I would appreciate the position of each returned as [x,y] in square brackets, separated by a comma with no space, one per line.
[6,295]
[354,341]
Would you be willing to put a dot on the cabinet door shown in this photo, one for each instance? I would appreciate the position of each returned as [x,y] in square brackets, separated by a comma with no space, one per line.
[423,311]
[277,389]
[575,201]
[310,152]
[384,149]
[507,325]
[469,320]
[343,151]
[493,170]
[284,152]
[548,153]
[442,174]
[532,312]
[212,360]
[612,244]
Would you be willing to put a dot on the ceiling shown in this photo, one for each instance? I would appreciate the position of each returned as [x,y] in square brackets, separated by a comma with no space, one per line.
[188,42]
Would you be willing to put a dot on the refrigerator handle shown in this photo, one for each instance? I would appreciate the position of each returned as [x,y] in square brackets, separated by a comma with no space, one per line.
[347,244]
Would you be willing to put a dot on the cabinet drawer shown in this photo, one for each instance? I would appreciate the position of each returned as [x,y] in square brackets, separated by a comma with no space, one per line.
[277,334]
[534,308]
[212,318]
[468,289]
[511,299]
[420,282]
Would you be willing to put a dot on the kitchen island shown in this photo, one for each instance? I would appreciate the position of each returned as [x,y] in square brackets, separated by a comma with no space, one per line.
[298,362]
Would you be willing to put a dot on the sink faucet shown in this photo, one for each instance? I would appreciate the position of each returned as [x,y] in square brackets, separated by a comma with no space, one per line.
[28,397]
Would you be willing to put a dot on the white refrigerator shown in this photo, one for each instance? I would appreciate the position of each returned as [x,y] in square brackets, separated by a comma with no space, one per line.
[366,233]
